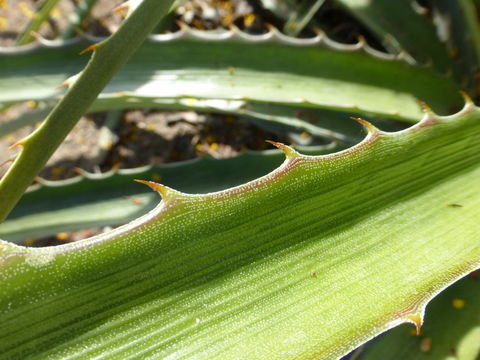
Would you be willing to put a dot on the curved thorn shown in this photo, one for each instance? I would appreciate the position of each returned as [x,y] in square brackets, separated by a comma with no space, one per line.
[69,82]
[121,7]
[319,32]
[18,143]
[79,171]
[468,100]
[163,190]
[289,152]
[371,129]
[417,320]
[270,27]
[426,108]
[361,41]
[93,48]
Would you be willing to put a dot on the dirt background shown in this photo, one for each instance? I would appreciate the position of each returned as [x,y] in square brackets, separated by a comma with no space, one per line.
[138,137]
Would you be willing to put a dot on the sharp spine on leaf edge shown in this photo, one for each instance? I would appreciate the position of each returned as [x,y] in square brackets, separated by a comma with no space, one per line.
[166,192]
[426,108]
[92,47]
[371,129]
[18,143]
[289,152]
[417,320]
[468,100]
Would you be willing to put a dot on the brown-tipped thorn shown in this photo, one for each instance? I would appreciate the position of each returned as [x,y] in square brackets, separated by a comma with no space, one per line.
[427,109]
[79,171]
[416,320]
[289,152]
[361,40]
[88,49]
[121,7]
[162,189]
[63,85]
[269,26]
[232,27]
[468,100]
[182,25]
[318,31]
[18,143]
[367,125]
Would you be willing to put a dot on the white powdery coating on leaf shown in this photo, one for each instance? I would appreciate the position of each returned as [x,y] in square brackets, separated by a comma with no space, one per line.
[39,259]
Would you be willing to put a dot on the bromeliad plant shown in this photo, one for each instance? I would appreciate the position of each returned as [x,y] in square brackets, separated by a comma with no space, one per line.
[309,261]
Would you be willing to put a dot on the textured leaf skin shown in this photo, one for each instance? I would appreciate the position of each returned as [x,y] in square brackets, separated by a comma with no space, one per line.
[91,200]
[454,331]
[306,262]
[113,198]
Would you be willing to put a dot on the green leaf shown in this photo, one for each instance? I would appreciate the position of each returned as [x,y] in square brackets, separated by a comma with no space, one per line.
[108,57]
[39,18]
[114,198]
[458,21]
[389,19]
[317,122]
[82,11]
[302,14]
[309,261]
[302,72]
[451,331]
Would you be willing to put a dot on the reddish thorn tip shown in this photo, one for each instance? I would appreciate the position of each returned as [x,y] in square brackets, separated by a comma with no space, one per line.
[121,7]
[62,85]
[426,108]
[88,49]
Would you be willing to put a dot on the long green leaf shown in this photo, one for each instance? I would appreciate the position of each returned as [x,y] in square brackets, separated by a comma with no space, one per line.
[459,24]
[302,15]
[108,57]
[113,198]
[306,262]
[231,65]
[39,18]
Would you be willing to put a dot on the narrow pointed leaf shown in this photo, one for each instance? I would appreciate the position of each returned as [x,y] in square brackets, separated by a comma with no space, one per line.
[303,72]
[302,15]
[39,18]
[309,261]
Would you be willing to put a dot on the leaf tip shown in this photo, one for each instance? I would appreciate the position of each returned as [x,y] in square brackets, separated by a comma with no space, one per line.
[289,152]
